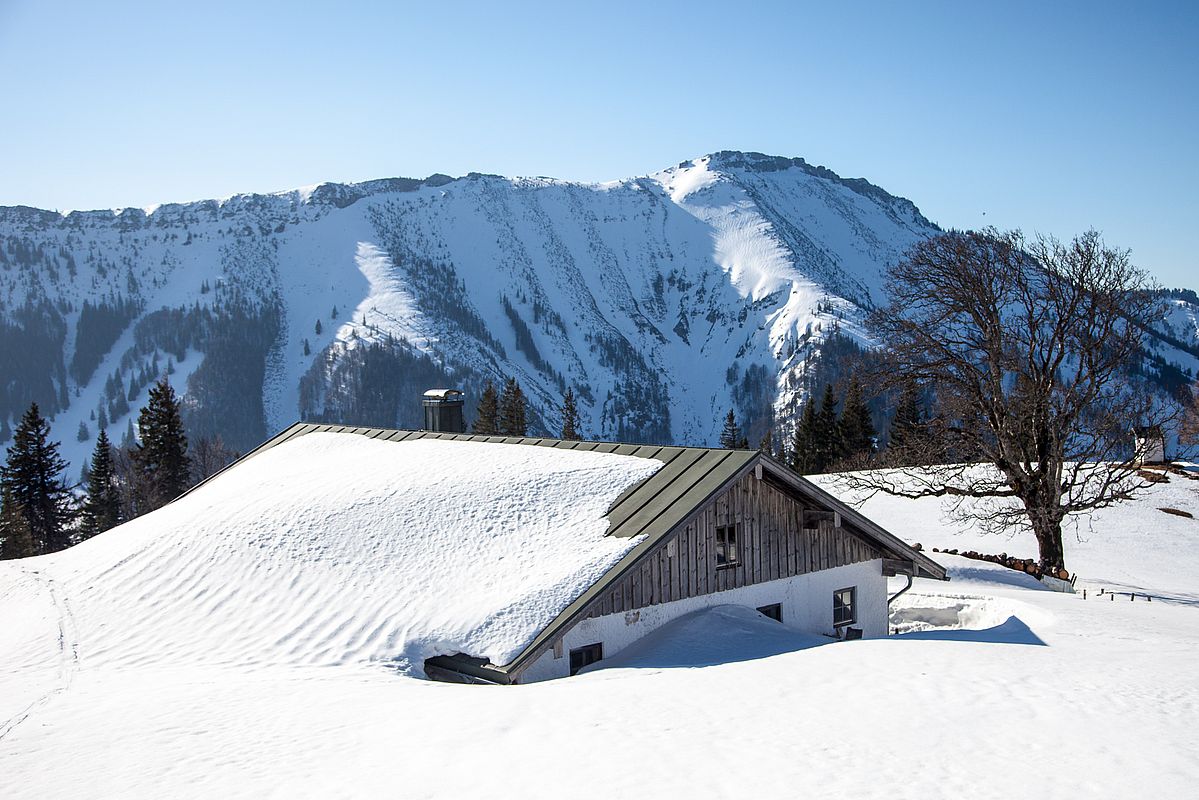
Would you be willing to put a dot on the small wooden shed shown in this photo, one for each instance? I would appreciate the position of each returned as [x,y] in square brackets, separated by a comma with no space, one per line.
[1149,445]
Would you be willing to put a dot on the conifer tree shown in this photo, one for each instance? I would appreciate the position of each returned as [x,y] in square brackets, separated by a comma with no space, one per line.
[488,422]
[160,458]
[804,450]
[766,443]
[905,425]
[513,410]
[828,432]
[16,537]
[570,416]
[857,428]
[318,328]
[730,435]
[33,477]
[102,508]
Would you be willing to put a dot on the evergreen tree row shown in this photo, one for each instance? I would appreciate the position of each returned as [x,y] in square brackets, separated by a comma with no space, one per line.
[832,434]
[506,413]
[40,512]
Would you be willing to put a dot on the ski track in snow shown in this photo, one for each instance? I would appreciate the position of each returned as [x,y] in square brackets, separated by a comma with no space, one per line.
[68,652]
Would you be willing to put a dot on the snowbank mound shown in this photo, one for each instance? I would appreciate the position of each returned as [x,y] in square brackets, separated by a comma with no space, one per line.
[339,549]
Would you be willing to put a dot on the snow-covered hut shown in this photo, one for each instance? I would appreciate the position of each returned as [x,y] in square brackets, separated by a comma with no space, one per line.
[524,559]
[1149,445]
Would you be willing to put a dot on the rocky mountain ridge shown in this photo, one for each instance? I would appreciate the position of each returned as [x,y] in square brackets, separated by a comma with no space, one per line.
[662,300]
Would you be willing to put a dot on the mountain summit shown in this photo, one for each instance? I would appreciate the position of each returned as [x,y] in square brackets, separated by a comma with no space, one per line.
[663,300]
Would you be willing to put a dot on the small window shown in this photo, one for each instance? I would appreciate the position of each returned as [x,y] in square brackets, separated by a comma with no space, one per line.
[845,605]
[582,656]
[774,611]
[726,545]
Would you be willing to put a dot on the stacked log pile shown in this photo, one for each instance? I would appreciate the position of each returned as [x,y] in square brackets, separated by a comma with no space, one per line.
[1026,565]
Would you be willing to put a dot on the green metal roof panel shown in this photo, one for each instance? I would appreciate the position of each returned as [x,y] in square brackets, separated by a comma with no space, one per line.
[654,490]
[677,501]
[643,491]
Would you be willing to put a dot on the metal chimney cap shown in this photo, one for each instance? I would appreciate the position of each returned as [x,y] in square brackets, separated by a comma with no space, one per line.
[444,394]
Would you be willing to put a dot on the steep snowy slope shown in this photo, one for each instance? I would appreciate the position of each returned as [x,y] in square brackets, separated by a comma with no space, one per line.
[153,676]
[662,300]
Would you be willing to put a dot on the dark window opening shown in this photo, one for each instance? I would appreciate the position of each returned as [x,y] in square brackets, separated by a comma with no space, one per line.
[774,611]
[587,654]
[726,545]
[845,606]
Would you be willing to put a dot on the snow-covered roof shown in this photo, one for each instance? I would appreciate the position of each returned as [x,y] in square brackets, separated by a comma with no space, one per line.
[377,545]
[360,550]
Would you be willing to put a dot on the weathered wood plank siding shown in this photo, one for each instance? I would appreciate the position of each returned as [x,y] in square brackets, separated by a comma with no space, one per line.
[772,543]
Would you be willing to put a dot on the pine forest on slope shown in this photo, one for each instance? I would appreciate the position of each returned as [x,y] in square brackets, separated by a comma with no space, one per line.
[662,301]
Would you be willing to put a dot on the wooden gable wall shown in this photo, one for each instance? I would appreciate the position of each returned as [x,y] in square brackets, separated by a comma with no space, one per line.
[772,544]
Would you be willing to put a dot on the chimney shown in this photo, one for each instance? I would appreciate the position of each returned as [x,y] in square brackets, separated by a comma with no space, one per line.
[443,411]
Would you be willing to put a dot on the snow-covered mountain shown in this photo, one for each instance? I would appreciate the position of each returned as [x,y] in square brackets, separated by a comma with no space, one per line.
[663,300]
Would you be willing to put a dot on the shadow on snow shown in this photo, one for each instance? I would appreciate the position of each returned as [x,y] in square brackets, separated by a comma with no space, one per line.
[1010,631]
[730,634]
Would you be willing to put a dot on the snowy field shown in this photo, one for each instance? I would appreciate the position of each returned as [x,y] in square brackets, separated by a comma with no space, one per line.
[126,672]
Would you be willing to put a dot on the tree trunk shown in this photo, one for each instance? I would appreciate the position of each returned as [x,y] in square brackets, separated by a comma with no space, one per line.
[1049,544]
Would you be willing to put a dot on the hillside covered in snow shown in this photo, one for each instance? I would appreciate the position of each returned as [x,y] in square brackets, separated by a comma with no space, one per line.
[250,640]
[662,300]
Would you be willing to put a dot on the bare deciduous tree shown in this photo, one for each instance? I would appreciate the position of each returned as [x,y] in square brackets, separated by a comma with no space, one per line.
[1027,346]
[1189,431]
[209,455]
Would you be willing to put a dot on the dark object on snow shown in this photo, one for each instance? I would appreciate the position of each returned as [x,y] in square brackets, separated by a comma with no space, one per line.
[1178,512]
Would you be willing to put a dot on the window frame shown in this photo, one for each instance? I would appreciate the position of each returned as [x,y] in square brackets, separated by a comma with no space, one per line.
[724,544]
[583,652]
[852,606]
[772,611]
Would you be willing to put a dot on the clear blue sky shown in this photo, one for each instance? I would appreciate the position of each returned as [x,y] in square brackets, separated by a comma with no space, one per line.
[1047,116]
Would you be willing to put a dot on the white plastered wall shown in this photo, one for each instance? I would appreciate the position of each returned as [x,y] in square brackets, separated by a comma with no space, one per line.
[807,602]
